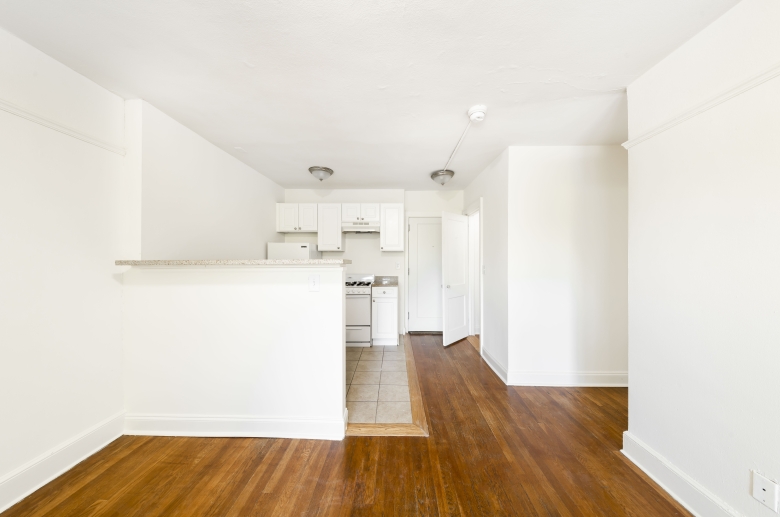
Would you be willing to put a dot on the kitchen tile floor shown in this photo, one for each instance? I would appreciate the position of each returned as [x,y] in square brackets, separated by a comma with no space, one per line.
[377,386]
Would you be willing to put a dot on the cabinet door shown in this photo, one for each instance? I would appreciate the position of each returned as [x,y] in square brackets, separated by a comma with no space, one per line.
[384,318]
[286,217]
[369,212]
[307,217]
[350,212]
[329,236]
[391,227]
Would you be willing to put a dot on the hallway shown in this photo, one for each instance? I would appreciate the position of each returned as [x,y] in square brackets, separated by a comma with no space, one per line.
[493,450]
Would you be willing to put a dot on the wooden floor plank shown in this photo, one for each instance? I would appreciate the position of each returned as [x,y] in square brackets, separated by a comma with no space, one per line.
[491,450]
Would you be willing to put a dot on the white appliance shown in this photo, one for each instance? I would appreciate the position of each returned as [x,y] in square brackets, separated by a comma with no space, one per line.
[292,250]
[359,309]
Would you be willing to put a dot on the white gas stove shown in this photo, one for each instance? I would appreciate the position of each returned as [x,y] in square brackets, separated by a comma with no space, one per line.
[359,310]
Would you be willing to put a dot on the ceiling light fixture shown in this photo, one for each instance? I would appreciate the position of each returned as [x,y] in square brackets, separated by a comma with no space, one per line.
[442,176]
[321,173]
[476,114]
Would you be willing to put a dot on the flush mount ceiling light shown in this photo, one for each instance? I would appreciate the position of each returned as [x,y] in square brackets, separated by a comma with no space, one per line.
[442,176]
[476,114]
[321,173]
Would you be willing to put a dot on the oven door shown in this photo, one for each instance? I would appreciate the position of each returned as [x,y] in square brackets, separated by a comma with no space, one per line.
[358,310]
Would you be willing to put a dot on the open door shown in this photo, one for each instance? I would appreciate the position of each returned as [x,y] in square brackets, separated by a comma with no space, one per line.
[455,276]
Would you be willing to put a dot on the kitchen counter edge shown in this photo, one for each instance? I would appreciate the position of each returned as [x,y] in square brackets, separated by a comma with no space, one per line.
[252,263]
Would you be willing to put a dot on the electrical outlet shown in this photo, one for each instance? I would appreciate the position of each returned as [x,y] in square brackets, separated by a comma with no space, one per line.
[766,491]
[314,282]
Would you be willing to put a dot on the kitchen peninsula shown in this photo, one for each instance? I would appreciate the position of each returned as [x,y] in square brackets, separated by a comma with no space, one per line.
[234,347]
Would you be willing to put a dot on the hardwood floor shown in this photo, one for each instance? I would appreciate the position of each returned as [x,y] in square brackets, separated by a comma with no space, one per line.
[474,340]
[493,450]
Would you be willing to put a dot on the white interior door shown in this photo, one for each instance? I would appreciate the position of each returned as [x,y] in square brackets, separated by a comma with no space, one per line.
[455,276]
[425,305]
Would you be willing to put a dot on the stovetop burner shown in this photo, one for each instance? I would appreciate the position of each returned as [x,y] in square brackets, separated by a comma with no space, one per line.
[358,284]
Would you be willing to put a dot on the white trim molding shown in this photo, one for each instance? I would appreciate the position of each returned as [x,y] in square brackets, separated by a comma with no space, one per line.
[683,488]
[235,426]
[494,365]
[570,379]
[21,482]
[46,122]
[741,88]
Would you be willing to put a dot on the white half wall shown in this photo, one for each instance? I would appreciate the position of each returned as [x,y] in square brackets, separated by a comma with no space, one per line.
[704,281]
[234,352]
[60,297]
[567,266]
[491,185]
[199,202]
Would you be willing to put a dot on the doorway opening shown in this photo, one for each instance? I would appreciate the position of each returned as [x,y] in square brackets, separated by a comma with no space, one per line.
[444,275]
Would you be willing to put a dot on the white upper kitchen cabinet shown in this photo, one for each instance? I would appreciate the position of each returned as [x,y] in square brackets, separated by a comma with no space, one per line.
[350,212]
[329,236]
[296,217]
[307,217]
[391,227]
[369,212]
[286,217]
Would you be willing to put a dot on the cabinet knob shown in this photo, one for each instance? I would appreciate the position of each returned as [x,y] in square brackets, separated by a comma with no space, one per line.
[448,287]
[338,248]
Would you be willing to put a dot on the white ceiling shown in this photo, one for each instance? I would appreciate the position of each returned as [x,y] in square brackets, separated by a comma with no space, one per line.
[376,90]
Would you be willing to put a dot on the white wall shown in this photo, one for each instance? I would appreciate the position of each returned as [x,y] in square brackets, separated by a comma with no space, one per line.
[567,269]
[234,352]
[419,201]
[491,185]
[60,320]
[704,250]
[198,201]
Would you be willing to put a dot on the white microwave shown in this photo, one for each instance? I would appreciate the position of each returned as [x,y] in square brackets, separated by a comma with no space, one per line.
[292,250]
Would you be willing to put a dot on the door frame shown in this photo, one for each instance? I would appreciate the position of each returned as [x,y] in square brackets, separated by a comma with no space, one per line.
[407,216]
[477,206]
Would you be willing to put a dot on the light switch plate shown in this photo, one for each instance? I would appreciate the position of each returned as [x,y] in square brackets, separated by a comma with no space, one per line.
[314,282]
[766,491]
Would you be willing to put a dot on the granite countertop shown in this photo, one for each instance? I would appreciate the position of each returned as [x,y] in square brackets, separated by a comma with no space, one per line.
[255,263]
[389,281]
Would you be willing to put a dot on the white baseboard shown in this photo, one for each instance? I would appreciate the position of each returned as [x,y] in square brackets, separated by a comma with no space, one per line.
[570,379]
[693,496]
[494,365]
[235,426]
[21,482]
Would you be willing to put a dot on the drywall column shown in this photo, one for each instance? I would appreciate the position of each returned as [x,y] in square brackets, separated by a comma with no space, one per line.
[567,266]
[491,186]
